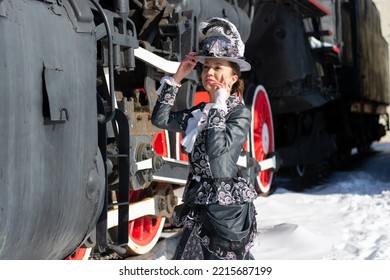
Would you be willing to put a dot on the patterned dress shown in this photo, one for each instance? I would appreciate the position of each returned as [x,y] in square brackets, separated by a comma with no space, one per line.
[217,214]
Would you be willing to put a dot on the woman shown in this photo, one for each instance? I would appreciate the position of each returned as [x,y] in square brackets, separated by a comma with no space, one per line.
[217,215]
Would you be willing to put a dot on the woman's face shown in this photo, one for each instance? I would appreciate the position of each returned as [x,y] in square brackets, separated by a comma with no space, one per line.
[217,73]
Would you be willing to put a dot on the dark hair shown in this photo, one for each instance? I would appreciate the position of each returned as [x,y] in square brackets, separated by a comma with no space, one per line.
[238,86]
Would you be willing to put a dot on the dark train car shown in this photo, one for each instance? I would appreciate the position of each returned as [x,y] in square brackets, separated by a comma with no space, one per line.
[84,174]
[366,55]
[325,67]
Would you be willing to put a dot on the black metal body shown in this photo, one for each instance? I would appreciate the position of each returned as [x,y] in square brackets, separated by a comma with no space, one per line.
[57,170]
[52,175]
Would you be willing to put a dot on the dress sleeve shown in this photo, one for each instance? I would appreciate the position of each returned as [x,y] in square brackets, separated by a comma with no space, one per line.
[162,115]
[225,132]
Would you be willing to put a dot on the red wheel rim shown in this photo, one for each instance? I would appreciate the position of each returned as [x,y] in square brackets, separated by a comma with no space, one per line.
[262,137]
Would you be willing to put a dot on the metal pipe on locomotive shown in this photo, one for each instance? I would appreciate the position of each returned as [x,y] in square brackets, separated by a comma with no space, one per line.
[84,170]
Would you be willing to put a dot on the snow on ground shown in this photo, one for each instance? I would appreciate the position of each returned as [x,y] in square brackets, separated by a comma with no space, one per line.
[348,217]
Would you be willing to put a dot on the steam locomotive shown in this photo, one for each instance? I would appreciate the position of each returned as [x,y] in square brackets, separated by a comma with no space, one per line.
[84,173]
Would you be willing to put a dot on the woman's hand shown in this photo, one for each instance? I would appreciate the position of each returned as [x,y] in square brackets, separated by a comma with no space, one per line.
[223,84]
[221,92]
[186,67]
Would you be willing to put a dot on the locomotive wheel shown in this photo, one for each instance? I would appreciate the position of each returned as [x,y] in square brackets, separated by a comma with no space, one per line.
[80,254]
[144,232]
[262,137]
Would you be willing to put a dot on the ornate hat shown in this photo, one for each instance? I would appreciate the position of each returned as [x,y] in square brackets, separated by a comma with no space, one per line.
[219,38]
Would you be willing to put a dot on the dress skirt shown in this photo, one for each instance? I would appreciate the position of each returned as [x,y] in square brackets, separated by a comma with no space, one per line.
[215,231]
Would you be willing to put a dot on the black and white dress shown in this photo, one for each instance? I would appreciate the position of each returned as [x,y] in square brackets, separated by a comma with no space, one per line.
[217,214]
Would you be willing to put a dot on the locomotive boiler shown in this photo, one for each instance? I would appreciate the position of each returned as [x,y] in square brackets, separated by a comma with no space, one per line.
[85,174]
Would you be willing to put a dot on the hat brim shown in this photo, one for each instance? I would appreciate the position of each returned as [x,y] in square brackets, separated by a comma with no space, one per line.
[244,66]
